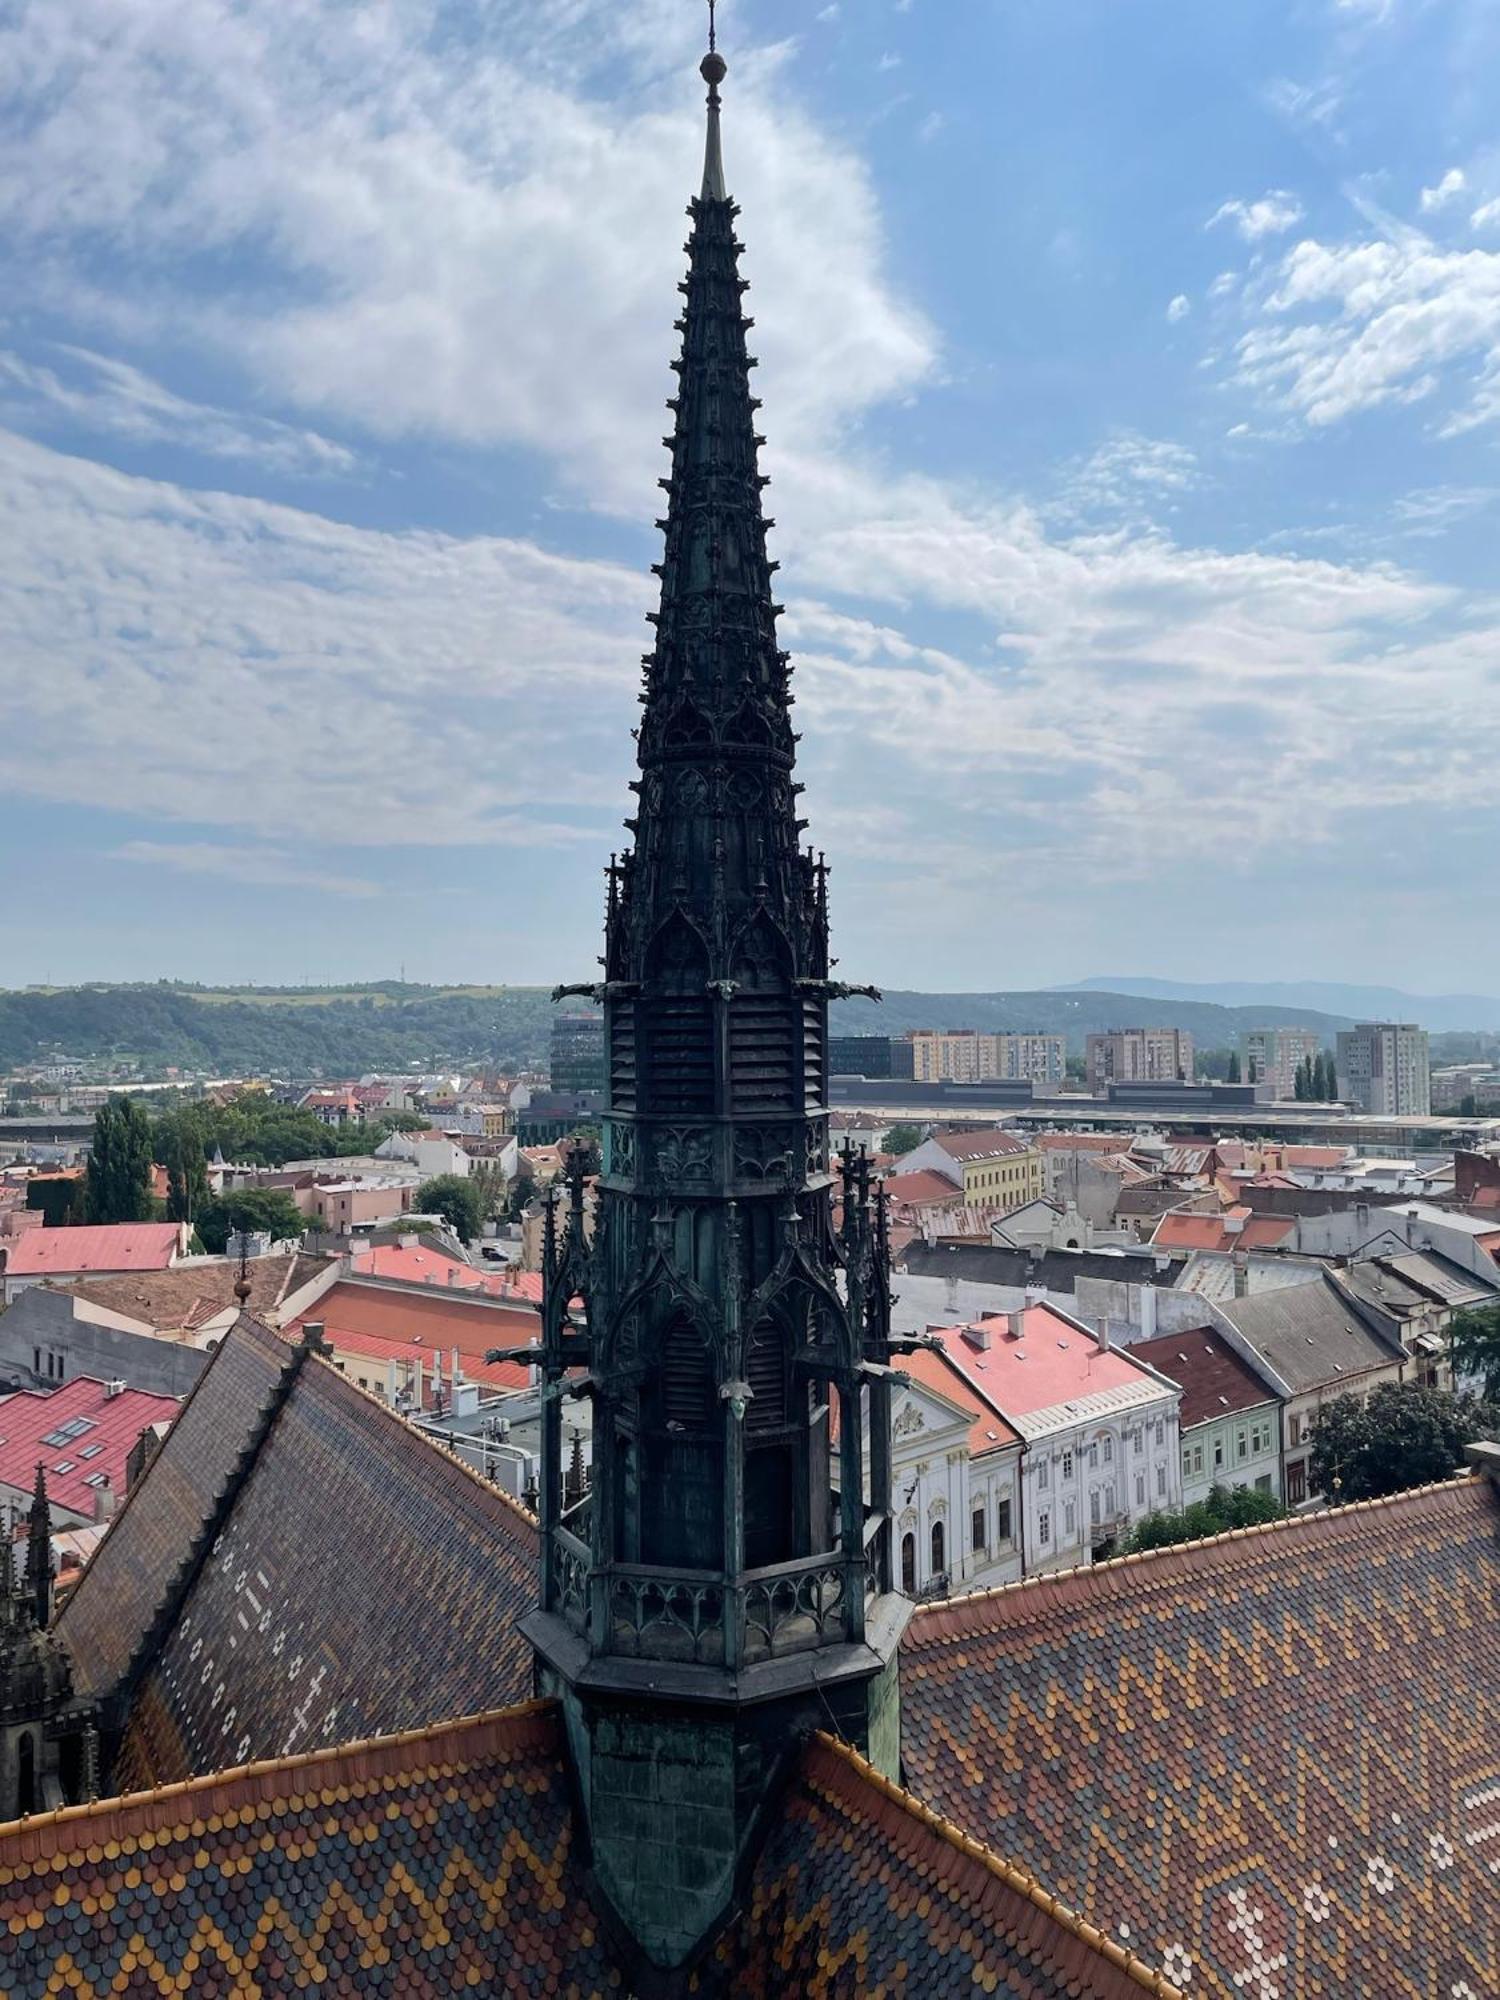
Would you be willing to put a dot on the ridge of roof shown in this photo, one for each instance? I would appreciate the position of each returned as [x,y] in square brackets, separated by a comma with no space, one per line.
[1045,1584]
[466,1736]
[1018,1879]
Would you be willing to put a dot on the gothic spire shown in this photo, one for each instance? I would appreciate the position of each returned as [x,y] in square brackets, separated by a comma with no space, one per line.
[39,1552]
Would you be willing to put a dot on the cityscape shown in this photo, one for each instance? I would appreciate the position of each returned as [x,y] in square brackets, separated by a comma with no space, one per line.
[713,1476]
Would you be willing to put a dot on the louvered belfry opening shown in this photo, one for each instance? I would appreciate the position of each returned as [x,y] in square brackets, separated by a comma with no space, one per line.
[724,1331]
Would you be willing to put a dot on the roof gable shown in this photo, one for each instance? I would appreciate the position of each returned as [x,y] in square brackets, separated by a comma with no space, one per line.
[1249,1744]
[1213,1379]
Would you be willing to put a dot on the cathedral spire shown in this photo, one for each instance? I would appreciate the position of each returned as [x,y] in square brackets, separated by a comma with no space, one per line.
[39,1552]
[713,70]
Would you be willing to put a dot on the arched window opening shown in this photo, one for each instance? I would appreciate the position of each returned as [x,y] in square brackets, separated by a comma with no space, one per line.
[939,1551]
[909,1564]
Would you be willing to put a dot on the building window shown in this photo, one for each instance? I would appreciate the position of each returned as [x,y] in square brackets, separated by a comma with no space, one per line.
[1263,1484]
[1187,1462]
[1296,1483]
[1002,1521]
[1218,1454]
[1070,1520]
[1094,1506]
[1044,1527]
[1067,1465]
[1161,1482]
[1138,1439]
[1093,1457]
[939,1550]
[1241,1443]
[1161,1432]
[909,1564]
[978,1528]
[1140,1489]
[1109,1451]
[1043,1474]
[1294,1430]
[1260,1436]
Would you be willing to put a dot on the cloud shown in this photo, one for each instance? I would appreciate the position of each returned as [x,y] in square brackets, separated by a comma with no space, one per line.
[1486,214]
[1274,214]
[266,867]
[1447,189]
[1179,308]
[1127,475]
[1343,328]
[100,394]
[414,234]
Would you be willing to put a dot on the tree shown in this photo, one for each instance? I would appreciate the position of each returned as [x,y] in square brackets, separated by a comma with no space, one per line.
[1405,1435]
[60,1200]
[1224,1509]
[119,1169]
[522,1191]
[901,1139]
[256,1211]
[1301,1082]
[178,1146]
[1234,1066]
[456,1199]
[1474,1348]
[487,1178]
[1328,1077]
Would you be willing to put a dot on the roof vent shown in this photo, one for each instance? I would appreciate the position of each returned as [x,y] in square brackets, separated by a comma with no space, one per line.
[113,1389]
[978,1336]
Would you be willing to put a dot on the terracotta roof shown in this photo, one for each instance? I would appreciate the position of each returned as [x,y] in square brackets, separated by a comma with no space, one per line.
[410,1867]
[353,1526]
[105,1246]
[989,1430]
[381,1351]
[1213,1379]
[439,1320]
[105,1428]
[200,1287]
[1235,1229]
[1081,1142]
[1055,1363]
[1270,1762]
[860,1890]
[925,1188]
[425,1266]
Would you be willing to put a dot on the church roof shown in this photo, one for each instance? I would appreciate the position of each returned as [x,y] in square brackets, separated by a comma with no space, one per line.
[1268,1762]
[299,1566]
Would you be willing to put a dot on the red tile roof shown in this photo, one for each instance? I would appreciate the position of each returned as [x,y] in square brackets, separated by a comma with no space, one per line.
[409,1354]
[109,1246]
[983,1145]
[1236,1229]
[989,1431]
[1275,1749]
[426,1266]
[926,1188]
[109,1427]
[431,1323]
[1213,1379]
[1054,1362]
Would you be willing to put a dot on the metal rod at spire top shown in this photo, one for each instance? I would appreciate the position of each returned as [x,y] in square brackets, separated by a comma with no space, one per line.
[712,26]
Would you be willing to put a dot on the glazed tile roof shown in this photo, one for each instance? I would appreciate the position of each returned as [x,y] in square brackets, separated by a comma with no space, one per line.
[360,1580]
[132,1577]
[1213,1379]
[860,1891]
[408,1868]
[1270,1763]
[105,1246]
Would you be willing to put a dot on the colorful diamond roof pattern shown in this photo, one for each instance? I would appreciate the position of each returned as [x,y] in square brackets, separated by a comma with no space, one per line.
[1269,1763]
[409,1868]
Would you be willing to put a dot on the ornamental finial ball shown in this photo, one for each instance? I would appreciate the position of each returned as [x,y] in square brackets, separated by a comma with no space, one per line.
[713,69]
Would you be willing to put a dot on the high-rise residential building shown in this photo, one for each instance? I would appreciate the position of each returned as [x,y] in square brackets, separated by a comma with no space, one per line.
[965,1055]
[1274,1056]
[1384,1069]
[577,1052]
[1139,1055]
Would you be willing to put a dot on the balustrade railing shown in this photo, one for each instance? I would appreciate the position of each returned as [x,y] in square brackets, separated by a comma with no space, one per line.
[700,1618]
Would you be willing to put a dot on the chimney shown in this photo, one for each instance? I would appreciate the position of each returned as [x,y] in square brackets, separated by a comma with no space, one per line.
[1241,1275]
[104,1501]
[1015,1328]
[312,1336]
[978,1336]
[950,1293]
[1101,1333]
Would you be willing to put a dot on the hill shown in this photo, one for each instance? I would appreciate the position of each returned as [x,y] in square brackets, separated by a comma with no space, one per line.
[314,1032]
[1442,1013]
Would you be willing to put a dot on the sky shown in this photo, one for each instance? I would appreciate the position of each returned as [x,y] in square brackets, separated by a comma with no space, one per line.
[1131,373]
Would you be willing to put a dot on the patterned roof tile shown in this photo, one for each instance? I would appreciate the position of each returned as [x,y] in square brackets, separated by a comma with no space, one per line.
[1269,1762]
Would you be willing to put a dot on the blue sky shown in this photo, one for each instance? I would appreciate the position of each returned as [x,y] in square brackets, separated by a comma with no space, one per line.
[1132,381]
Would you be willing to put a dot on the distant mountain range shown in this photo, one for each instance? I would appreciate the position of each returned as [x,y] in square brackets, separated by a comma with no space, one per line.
[1075,1013]
[1443,1013]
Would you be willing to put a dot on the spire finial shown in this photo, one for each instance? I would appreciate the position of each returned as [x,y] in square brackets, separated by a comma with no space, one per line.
[713,69]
